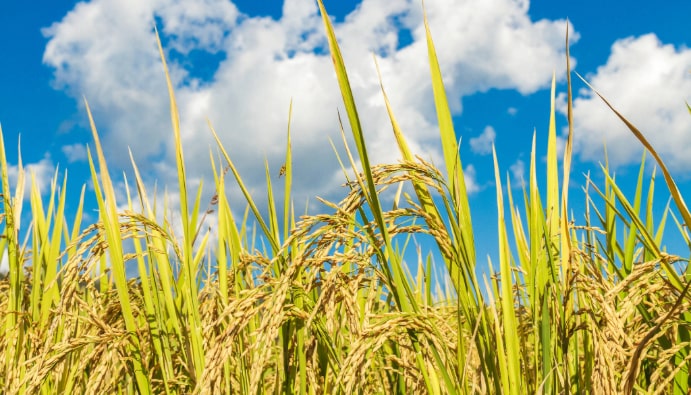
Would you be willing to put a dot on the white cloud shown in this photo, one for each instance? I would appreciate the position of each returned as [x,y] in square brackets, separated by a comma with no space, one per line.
[470,178]
[4,264]
[517,170]
[482,145]
[106,51]
[196,24]
[41,172]
[75,152]
[648,82]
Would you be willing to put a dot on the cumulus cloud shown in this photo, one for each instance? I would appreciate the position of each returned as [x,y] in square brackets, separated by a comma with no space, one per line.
[106,51]
[75,152]
[40,172]
[4,264]
[648,82]
[470,178]
[482,145]
[517,170]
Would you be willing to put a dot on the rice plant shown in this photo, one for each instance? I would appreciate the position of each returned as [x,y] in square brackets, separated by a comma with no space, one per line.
[329,305]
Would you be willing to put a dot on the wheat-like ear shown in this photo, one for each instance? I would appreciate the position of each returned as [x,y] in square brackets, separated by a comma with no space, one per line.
[364,295]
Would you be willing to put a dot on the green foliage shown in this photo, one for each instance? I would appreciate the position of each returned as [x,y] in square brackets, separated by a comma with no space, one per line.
[331,307]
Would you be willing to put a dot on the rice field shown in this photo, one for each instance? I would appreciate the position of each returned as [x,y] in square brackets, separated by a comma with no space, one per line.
[329,304]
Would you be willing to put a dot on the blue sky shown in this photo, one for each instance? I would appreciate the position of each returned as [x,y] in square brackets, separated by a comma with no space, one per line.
[240,63]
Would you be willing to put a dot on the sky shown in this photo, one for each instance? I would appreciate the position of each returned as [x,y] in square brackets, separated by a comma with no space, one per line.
[239,64]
